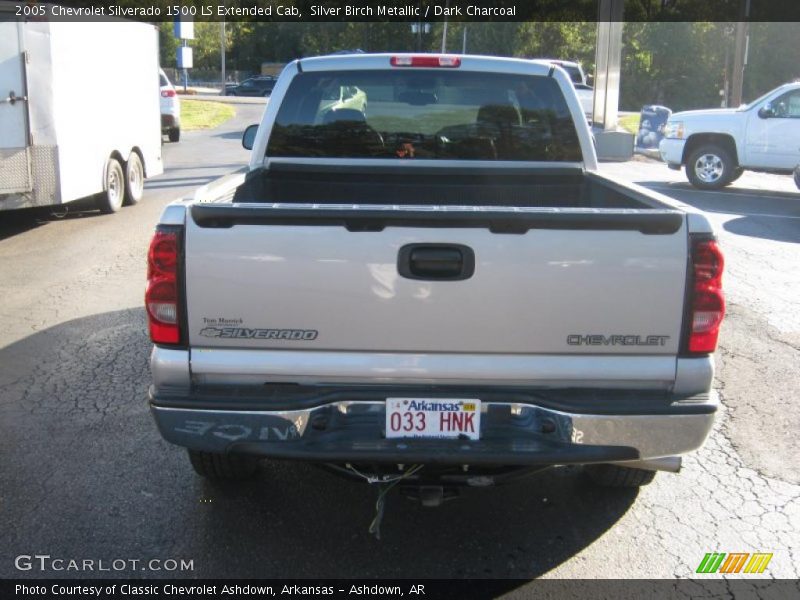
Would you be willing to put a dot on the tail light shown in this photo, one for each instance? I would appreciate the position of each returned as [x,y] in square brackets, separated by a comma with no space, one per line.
[707,300]
[426,60]
[167,93]
[162,294]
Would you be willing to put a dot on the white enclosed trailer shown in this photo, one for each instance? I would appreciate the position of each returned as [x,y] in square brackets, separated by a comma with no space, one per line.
[79,112]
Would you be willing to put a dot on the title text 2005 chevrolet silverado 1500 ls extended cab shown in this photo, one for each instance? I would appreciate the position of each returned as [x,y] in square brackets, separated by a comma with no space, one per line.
[437,277]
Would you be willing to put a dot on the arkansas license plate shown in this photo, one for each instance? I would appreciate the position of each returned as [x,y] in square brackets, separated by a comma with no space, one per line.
[433,418]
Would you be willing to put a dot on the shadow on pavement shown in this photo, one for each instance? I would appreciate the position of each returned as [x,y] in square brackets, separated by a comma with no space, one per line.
[16,222]
[779,229]
[195,181]
[230,135]
[230,166]
[731,200]
[84,473]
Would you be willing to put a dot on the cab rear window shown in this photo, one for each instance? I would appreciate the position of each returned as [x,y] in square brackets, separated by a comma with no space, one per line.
[424,114]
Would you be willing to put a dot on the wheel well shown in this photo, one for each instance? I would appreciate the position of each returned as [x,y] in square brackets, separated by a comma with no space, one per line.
[699,139]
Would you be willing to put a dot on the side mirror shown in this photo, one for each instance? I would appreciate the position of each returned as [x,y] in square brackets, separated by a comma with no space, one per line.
[249,136]
[766,111]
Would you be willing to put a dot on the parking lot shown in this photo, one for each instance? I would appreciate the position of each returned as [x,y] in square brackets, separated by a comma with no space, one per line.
[85,475]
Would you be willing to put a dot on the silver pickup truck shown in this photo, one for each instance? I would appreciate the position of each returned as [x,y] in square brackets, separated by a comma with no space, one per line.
[422,275]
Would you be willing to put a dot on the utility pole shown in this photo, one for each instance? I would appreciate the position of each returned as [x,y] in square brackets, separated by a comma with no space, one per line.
[464,40]
[608,64]
[740,54]
[222,54]
[611,144]
[444,29]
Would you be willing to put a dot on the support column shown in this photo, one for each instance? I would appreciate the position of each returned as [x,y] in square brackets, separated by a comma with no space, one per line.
[611,144]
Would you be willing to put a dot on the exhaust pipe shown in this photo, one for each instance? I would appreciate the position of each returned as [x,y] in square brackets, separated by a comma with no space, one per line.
[667,463]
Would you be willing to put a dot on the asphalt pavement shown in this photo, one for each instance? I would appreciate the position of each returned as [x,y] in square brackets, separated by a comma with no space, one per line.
[85,475]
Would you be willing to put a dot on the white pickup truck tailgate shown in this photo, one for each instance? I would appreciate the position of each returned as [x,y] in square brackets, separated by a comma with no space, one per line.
[558,290]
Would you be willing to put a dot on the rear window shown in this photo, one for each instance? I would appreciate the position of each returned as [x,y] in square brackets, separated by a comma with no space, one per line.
[162,80]
[424,114]
[574,73]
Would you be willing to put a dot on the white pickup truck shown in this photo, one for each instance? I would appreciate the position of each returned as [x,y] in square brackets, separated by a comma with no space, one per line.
[436,286]
[716,146]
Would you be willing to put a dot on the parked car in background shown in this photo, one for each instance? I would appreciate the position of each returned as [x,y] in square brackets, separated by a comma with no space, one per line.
[170,109]
[255,86]
[716,146]
[580,83]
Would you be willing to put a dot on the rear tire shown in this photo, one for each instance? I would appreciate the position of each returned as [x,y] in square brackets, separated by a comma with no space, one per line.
[110,201]
[710,167]
[618,477]
[223,466]
[736,174]
[797,176]
[134,179]
[174,134]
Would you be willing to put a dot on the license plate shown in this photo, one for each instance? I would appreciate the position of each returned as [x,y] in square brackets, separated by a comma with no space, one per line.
[433,418]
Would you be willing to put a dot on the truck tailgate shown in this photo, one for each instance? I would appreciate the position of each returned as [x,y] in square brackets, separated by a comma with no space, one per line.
[546,283]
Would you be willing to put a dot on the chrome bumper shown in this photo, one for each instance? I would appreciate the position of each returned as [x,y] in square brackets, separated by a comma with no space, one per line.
[514,433]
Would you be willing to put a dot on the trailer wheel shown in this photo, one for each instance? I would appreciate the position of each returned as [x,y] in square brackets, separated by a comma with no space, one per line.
[134,179]
[618,477]
[174,134]
[110,201]
[223,466]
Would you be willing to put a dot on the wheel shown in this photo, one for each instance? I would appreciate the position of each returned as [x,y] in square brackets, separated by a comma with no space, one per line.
[619,477]
[736,174]
[174,134]
[223,466]
[134,179]
[110,201]
[710,167]
[797,176]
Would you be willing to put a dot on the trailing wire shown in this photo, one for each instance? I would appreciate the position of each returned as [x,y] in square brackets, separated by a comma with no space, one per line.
[385,484]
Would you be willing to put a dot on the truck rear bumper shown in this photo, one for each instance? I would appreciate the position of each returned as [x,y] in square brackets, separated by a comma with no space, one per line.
[169,121]
[517,428]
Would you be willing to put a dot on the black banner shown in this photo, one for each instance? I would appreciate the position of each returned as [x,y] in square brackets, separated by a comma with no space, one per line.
[428,589]
[399,10]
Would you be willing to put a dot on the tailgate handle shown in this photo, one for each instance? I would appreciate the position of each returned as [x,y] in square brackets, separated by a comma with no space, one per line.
[436,262]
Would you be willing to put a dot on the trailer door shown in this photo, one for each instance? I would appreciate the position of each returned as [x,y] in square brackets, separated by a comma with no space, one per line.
[14,139]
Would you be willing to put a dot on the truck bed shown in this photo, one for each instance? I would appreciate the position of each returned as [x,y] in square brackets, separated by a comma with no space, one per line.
[288,183]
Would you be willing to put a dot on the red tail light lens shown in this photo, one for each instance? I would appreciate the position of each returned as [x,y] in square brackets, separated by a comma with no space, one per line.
[167,93]
[426,60]
[161,296]
[708,301]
